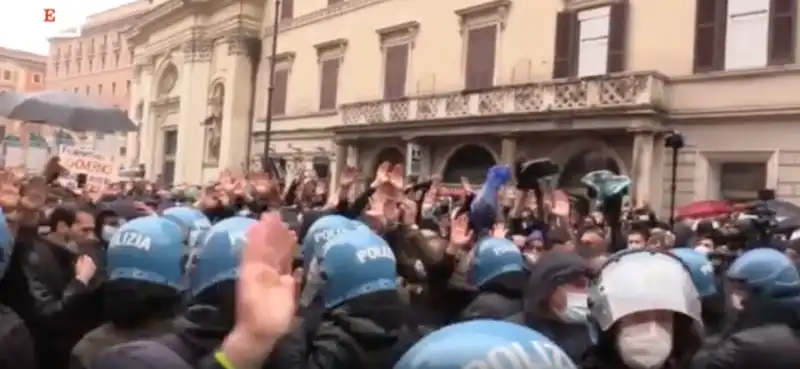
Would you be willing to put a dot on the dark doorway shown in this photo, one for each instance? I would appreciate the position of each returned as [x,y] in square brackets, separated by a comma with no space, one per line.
[471,161]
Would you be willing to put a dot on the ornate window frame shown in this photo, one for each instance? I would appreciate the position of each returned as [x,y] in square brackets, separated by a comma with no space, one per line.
[399,34]
[492,13]
[284,60]
[333,49]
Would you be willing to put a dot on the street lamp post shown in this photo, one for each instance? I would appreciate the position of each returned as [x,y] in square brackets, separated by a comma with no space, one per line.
[271,89]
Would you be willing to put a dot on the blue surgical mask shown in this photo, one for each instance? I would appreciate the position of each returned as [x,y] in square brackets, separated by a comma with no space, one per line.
[108,232]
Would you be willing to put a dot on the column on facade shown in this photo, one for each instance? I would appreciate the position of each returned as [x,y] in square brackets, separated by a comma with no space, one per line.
[194,91]
[339,163]
[143,92]
[657,171]
[354,160]
[642,165]
[508,153]
[235,111]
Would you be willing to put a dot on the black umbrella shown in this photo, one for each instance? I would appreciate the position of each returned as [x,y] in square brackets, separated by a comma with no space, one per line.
[787,214]
[64,110]
[124,208]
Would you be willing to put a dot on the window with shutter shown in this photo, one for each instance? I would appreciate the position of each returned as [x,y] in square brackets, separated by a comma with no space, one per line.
[593,47]
[329,84]
[709,39]
[747,34]
[287,9]
[617,37]
[280,85]
[395,71]
[481,48]
[782,31]
[565,45]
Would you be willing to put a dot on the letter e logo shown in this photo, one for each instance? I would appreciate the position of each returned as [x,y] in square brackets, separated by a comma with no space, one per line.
[49,15]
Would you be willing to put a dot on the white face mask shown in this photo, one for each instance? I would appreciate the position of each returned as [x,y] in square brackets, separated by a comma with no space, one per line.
[737,301]
[577,308]
[645,345]
[108,232]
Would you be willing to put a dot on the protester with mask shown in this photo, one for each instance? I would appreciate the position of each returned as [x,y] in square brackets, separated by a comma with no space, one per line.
[555,301]
[766,331]
[142,294]
[106,224]
[645,313]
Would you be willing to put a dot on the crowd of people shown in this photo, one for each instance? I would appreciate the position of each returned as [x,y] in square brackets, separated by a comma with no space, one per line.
[249,272]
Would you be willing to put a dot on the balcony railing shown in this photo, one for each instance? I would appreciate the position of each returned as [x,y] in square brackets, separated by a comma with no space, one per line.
[628,90]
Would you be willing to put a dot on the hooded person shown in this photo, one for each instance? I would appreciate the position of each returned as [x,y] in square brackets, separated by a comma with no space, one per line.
[142,294]
[556,301]
[497,272]
[645,313]
[209,316]
[485,344]
[364,314]
[16,343]
[765,292]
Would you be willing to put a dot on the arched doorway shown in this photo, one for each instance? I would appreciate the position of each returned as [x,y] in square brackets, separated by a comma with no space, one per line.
[470,161]
[582,163]
[391,154]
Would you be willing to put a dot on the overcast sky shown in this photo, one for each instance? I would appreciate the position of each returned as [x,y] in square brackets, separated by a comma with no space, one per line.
[22,23]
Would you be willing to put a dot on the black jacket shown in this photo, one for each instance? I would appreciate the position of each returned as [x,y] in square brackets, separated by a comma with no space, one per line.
[766,335]
[368,332]
[499,299]
[57,308]
[16,344]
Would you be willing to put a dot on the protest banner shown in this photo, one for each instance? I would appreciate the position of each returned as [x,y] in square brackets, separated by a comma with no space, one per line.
[99,169]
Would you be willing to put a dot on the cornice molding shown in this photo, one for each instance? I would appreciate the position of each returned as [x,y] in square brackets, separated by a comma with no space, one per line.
[284,57]
[496,10]
[332,11]
[405,32]
[198,50]
[160,11]
[576,5]
[336,45]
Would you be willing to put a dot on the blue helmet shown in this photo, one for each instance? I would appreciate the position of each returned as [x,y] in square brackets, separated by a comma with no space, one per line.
[701,269]
[356,263]
[485,344]
[6,244]
[323,229]
[193,223]
[494,257]
[767,272]
[146,249]
[217,258]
